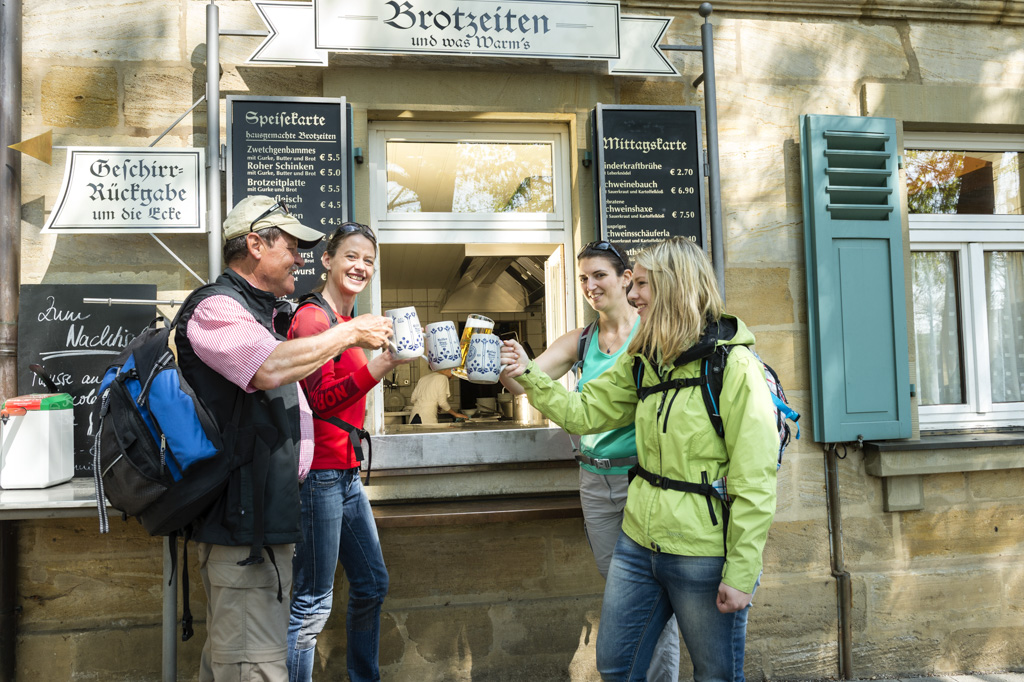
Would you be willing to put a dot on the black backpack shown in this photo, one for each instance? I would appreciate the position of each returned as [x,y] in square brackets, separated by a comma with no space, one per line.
[710,380]
[356,435]
[158,453]
[712,374]
[582,346]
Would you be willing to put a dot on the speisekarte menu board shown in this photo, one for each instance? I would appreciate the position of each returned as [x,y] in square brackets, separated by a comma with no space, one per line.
[75,342]
[649,174]
[297,151]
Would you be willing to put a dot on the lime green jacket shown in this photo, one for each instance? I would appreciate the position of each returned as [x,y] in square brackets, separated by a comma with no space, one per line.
[682,444]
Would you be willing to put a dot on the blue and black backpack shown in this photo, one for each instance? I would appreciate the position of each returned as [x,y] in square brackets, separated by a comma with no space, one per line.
[158,453]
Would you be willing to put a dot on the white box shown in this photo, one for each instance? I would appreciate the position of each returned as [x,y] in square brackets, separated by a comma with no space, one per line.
[37,448]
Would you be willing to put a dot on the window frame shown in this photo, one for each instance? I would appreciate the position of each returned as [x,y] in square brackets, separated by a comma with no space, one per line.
[987,233]
[500,228]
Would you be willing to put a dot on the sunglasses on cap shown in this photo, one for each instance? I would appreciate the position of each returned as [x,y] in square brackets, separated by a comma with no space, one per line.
[350,228]
[603,246]
[278,206]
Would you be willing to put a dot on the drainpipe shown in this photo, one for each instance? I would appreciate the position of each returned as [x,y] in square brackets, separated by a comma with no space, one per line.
[711,131]
[10,278]
[844,590]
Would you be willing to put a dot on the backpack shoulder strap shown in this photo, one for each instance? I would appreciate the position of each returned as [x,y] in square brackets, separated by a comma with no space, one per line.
[713,368]
[638,371]
[316,298]
[582,347]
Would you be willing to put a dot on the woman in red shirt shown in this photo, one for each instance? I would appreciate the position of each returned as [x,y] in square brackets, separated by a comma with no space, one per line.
[337,524]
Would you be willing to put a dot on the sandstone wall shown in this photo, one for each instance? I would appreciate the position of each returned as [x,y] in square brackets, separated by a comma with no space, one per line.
[934,591]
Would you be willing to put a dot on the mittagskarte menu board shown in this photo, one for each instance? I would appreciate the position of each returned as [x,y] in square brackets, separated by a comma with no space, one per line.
[297,151]
[649,174]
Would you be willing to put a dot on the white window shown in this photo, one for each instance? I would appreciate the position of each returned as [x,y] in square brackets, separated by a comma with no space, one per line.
[496,183]
[471,218]
[967,239]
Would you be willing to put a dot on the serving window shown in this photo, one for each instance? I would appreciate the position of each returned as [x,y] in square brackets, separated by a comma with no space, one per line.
[471,218]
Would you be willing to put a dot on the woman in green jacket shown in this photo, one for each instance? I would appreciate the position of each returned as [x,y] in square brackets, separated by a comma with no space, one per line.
[680,552]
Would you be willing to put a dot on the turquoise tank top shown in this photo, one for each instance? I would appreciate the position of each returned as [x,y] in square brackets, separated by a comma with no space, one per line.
[616,443]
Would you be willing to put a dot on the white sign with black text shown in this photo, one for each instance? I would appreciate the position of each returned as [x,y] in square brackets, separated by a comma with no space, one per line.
[305,32]
[128,189]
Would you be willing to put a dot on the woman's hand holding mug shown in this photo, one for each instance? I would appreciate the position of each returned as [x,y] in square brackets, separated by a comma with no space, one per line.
[513,359]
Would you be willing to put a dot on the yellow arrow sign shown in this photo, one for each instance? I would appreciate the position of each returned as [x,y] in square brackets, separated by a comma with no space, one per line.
[39,147]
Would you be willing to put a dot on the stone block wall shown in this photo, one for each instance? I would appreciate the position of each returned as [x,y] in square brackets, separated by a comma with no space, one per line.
[509,601]
[935,591]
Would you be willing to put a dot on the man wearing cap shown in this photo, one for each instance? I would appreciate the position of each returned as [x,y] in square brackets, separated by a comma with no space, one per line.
[246,374]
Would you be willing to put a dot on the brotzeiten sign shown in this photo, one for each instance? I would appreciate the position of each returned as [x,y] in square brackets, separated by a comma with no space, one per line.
[304,32]
[128,189]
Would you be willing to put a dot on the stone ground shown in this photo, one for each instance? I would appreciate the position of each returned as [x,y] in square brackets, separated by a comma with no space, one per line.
[975,677]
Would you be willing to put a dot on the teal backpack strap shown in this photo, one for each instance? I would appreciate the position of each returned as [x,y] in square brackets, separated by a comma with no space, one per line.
[713,368]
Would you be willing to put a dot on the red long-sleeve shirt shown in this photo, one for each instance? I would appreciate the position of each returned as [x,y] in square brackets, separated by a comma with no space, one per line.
[338,389]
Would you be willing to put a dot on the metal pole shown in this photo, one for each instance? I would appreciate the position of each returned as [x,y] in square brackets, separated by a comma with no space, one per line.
[711,123]
[213,213]
[844,588]
[10,279]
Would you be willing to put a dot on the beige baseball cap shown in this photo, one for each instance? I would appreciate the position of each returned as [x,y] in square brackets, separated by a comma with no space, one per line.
[259,212]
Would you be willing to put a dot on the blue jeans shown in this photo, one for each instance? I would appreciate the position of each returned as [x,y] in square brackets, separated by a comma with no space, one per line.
[644,589]
[337,525]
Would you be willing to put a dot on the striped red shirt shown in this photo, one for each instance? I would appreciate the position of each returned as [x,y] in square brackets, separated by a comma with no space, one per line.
[229,340]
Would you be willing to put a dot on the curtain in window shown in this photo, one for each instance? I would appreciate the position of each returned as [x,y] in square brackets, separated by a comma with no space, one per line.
[1004,298]
[937,329]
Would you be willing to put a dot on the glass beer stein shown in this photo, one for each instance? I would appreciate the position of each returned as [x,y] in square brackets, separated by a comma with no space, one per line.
[475,324]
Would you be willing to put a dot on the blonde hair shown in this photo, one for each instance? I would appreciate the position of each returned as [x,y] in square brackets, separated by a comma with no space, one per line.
[684,298]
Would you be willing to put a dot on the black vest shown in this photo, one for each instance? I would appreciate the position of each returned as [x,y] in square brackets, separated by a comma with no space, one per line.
[268,418]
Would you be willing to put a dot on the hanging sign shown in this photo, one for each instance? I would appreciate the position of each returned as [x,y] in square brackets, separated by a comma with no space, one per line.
[649,174]
[303,33]
[296,151]
[131,189]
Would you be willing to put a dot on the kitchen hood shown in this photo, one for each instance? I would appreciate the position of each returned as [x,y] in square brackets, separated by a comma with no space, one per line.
[500,297]
[487,286]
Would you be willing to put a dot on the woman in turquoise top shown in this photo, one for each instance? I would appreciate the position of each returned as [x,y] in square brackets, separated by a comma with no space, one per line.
[605,278]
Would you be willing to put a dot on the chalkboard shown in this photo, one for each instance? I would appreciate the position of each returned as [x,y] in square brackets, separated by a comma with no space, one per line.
[75,342]
[297,151]
[649,174]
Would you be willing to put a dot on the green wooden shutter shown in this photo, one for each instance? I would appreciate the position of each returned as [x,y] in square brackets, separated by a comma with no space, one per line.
[860,366]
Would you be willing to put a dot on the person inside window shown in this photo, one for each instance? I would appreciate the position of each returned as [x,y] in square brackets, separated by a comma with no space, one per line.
[431,396]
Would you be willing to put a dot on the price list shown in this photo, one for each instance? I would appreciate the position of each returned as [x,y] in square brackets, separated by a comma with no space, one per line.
[649,174]
[295,150]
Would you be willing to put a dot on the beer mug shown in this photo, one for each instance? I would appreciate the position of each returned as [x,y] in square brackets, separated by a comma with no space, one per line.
[407,341]
[475,324]
[483,363]
[442,340]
